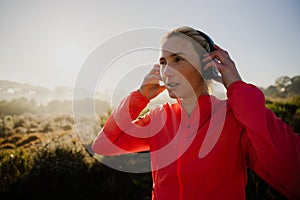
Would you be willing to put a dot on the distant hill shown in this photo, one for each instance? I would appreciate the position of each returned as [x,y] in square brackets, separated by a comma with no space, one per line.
[18,98]
[14,90]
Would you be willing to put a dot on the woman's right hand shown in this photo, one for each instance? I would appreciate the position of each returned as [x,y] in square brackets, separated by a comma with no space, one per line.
[150,87]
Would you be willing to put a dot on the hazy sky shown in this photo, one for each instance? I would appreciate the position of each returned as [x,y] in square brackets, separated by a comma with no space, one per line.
[47,42]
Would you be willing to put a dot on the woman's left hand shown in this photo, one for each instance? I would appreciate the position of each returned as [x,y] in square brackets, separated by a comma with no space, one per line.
[224,64]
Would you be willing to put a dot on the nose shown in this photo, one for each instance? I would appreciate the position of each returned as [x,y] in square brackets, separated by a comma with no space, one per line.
[167,71]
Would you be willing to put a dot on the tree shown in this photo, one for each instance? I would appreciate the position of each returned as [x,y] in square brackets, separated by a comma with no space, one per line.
[294,88]
[283,82]
[271,91]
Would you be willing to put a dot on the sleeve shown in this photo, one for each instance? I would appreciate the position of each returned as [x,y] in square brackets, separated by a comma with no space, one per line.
[274,149]
[121,133]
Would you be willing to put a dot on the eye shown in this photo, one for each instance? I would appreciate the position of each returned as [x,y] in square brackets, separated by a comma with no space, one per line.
[178,59]
[162,62]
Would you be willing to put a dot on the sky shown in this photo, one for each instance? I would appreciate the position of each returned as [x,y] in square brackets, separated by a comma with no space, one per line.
[48,42]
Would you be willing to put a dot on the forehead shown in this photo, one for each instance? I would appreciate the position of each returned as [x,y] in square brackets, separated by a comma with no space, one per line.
[177,44]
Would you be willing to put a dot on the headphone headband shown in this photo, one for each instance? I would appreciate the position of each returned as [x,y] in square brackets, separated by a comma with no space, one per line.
[208,39]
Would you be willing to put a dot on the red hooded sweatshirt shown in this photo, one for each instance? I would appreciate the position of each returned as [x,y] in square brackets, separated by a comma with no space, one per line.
[206,155]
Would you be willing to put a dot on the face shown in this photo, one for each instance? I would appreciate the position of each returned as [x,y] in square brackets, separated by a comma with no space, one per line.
[180,67]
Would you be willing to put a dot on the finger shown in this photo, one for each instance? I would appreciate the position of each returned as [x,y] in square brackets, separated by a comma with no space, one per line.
[217,47]
[155,69]
[207,58]
[162,88]
[217,54]
[152,78]
[219,57]
[223,51]
[214,57]
[210,65]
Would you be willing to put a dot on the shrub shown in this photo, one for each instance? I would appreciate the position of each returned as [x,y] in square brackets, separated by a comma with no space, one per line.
[15,166]
[286,109]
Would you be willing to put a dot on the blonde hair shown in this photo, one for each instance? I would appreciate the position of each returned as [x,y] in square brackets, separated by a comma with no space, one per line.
[193,35]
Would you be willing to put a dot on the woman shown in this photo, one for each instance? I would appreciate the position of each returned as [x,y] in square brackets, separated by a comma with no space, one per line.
[201,146]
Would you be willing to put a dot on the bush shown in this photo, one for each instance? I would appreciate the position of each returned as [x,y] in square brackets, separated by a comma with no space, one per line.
[15,166]
[288,110]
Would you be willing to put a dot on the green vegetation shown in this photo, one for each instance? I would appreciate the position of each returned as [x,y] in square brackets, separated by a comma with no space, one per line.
[287,109]
[41,157]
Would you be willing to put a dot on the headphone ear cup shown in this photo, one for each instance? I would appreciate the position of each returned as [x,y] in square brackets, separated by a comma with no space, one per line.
[210,73]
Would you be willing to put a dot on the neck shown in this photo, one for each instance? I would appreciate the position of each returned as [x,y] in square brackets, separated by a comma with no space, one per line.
[189,103]
[188,106]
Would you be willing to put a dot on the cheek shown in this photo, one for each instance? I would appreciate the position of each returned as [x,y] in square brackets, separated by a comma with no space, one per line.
[192,80]
[190,72]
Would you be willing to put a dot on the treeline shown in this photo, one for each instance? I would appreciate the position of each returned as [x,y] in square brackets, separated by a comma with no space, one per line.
[284,87]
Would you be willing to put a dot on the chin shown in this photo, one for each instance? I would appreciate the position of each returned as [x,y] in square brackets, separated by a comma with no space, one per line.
[172,94]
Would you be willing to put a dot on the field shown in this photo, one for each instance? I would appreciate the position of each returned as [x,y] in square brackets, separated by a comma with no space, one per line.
[42,157]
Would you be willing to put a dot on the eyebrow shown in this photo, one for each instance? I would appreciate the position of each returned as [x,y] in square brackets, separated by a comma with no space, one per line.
[173,55]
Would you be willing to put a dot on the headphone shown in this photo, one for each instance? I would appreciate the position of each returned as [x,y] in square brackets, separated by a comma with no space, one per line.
[212,72]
